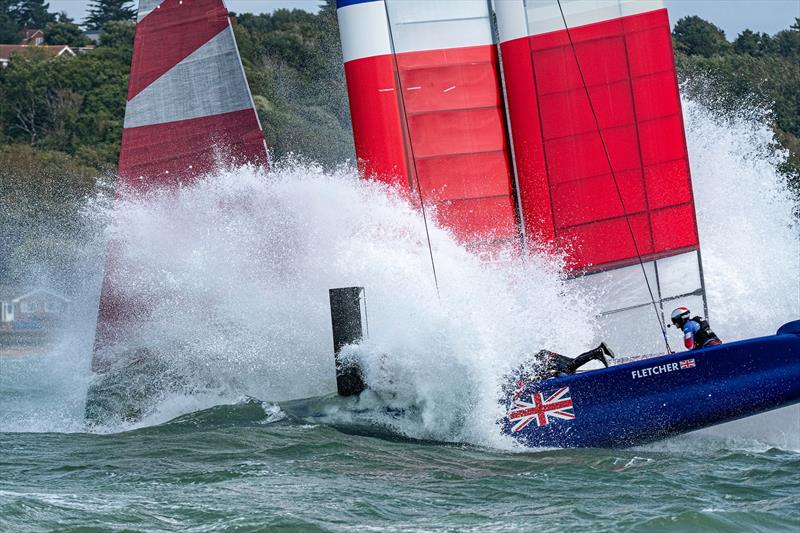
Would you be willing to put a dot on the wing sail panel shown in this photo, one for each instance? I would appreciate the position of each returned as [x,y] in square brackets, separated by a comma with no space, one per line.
[189,109]
[601,155]
[438,109]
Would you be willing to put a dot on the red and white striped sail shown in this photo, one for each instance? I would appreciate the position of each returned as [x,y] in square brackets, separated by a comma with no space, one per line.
[617,59]
[189,109]
[427,108]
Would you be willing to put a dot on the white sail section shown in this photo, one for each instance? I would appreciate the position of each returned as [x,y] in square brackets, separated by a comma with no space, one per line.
[629,322]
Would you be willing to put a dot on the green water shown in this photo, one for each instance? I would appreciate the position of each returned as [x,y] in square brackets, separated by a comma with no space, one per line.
[249,466]
[230,468]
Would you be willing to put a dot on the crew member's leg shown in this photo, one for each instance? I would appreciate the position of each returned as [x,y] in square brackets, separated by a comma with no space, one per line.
[555,363]
[598,354]
[552,364]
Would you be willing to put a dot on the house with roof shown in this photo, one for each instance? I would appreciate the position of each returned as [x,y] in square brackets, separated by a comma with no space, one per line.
[33,37]
[7,51]
[32,309]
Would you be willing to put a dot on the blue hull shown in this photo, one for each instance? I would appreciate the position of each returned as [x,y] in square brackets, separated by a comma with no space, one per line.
[646,400]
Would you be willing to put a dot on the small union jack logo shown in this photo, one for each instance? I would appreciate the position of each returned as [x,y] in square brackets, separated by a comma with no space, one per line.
[558,405]
[687,363]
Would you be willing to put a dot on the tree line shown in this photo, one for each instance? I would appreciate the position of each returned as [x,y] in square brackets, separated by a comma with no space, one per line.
[755,70]
[19,15]
[61,118]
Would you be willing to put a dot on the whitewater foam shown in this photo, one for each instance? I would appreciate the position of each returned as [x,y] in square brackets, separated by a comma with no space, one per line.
[750,241]
[237,268]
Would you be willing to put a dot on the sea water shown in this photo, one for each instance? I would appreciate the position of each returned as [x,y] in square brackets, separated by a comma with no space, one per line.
[237,268]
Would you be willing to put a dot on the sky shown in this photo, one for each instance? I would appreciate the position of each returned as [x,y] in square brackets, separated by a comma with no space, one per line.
[732,16]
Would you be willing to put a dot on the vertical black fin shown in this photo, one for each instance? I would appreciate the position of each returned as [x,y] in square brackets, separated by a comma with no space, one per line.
[349,321]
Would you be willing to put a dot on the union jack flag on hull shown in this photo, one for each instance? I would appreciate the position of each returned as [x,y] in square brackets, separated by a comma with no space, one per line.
[558,405]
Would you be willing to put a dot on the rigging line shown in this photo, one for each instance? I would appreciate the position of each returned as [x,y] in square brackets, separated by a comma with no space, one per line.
[614,177]
[411,147]
[520,216]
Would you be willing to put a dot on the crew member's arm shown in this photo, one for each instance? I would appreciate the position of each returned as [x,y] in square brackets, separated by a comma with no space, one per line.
[690,327]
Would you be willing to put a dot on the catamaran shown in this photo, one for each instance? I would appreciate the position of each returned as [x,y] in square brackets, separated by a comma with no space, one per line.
[527,124]
[559,123]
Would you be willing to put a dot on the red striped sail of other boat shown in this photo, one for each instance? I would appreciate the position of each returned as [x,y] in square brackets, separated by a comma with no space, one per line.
[188,110]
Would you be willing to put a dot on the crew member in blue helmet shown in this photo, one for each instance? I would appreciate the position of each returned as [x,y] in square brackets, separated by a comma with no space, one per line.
[696,331]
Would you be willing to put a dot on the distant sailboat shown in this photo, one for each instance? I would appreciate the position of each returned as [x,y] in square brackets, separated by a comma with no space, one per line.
[189,109]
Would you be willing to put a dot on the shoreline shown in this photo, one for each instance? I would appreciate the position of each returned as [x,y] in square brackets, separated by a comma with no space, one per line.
[24,351]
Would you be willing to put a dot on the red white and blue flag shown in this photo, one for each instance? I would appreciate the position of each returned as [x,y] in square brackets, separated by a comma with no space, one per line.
[687,363]
[558,405]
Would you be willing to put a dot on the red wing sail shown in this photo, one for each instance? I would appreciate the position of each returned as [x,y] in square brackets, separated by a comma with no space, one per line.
[614,69]
[427,108]
[602,172]
[189,108]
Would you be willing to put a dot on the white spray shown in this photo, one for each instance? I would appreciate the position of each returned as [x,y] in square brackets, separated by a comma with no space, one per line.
[240,264]
[750,237]
[238,268]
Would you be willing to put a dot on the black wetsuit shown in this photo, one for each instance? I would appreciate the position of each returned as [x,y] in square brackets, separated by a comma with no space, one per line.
[560,364]
[546,364]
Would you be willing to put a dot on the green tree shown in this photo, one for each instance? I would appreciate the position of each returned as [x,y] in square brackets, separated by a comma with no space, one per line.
[294,67]
[72,104]
[65,31]
[695,36]
[118,34]
[25,88]
[9,29]
[104,11]
[754,43]
[31,13]
[787,42]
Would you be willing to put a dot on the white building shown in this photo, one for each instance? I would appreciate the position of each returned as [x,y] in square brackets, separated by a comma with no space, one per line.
[38,307]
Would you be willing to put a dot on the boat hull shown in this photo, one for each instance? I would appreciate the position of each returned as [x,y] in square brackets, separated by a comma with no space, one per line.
[655,398]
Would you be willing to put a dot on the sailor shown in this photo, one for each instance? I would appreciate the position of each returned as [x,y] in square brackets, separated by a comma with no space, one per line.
[696,331]
[559,365]
[546,364]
